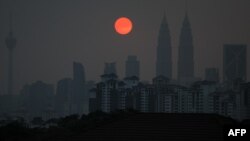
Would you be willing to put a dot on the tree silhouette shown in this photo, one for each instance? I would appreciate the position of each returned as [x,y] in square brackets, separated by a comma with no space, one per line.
[37,121]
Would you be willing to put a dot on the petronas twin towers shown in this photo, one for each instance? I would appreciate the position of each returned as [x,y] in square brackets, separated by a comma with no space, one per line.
[185,53]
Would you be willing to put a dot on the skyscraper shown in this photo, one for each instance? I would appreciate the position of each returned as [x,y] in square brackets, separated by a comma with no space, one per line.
[78,88]
[110,68]
[212,74]
[11,44]
[132,66]
[164,51]
[39,98]
[63,97]
[234,62]
[186,57]
[245,100]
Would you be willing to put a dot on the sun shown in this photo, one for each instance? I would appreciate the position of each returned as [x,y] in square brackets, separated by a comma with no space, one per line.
[123,25]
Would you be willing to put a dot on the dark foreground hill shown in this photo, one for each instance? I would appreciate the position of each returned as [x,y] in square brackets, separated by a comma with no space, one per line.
[120,126]
[158,127]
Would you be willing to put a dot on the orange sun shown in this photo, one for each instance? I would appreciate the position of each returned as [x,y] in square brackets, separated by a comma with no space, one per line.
[123,25]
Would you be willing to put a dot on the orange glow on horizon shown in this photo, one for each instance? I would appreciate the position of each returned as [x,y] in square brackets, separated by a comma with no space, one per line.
[123,25]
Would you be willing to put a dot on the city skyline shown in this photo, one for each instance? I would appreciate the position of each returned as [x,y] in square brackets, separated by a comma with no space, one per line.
[55,64]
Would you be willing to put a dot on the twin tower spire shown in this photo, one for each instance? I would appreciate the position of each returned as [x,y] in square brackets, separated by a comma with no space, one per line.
[185,51]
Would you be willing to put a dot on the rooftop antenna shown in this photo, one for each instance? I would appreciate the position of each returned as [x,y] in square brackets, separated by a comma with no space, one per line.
[10,23]
[11,44]
[186,7]
[164,15]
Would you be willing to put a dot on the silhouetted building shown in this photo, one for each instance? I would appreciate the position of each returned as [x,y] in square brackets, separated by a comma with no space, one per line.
[78,88]
[212,74]
[107,94]
[39,98]
[110,68]
[186,53]
[234,62]
[204,97]
[64,97]
[89,86]
[161,96]
[11,44]
[228,105]
[244,101]
[161,90]
[131,81]
[145,98]
[132,66]
[9,105]
[137,95]
[164,51]
[247,99]
[94,102]
[182,99]
[121,95]
[6,104]
[112,94]
[88,90]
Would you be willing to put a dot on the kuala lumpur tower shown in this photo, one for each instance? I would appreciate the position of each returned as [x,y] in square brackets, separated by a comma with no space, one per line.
[11,44]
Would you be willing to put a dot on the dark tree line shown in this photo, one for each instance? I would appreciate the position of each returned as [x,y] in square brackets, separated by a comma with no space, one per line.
[56,128]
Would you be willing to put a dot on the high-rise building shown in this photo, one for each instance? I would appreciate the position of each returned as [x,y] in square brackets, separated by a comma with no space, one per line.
[64,97]
[212,74]
[106,93]
[39,99]
[164,51]
[204,97]
[186,49]
[78,88]
[11,44]
[110,68]
[132,66]
[244,101]
[90,85]
[234,62]
[164,100]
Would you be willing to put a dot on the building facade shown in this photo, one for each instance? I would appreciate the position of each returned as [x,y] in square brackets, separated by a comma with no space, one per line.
[234,62]
[164,51]
[186,54]
[132,67]
[212,74]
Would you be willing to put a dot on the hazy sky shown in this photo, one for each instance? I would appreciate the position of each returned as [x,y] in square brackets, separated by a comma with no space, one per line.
[52,34]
